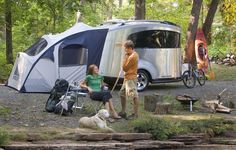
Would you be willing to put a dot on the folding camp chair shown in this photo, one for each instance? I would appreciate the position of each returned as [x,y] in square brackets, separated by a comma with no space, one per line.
[82,98]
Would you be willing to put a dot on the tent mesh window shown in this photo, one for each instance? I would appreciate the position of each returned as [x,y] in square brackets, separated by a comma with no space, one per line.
[72,55]
[37,47]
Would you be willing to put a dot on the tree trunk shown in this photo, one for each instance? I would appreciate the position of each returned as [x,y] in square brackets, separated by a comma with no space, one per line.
[110,9]
[9,55]
[209,20]
[140,9]
[82,2]
[191,33]
[120,3]
[150,102]
[162,108]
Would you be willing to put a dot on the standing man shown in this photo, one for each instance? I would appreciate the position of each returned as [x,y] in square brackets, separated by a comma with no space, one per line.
[129,87]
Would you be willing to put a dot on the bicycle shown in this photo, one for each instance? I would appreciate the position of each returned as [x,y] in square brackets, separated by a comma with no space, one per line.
[190,76]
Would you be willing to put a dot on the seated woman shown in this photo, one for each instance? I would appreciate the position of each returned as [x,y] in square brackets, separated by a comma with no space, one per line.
[94,83]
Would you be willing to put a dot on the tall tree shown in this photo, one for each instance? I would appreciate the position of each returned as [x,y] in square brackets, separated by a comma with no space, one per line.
[191,33]
[228,12]
[120,3]
[140,10]
[209,20]
[8,20]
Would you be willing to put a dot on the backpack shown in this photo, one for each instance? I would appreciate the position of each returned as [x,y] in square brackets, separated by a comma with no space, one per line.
[65,105]
[59,89]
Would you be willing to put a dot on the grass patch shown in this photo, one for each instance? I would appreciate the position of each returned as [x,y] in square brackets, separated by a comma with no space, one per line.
[213,127]
[163,127]
[38,134]
[4,111]
[224,73]
[4,137]
[160,128]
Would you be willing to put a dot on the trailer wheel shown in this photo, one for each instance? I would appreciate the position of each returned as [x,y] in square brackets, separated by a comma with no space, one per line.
[143,80]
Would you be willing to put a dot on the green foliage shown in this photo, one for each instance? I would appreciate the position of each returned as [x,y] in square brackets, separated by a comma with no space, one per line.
[228,11]
[212,127]
[4,137]
[224,73]
[161,129]
[4,111]
[4,67]
[44,17]
[90,14]
[126,12]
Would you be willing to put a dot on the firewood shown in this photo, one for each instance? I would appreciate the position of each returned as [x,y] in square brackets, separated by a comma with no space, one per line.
[223,109]
[217,106]
[232,61]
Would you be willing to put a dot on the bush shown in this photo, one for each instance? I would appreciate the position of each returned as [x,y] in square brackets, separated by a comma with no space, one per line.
[4,67]
[4,137]
[213,127]
[160,129]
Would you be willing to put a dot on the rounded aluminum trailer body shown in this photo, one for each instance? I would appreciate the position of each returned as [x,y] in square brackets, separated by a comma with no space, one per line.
[161,64]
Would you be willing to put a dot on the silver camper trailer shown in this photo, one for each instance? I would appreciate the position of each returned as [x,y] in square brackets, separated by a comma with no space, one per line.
[68,54]
[158,46]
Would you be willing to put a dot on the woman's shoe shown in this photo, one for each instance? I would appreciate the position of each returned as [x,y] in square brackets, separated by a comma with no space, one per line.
[117,117]
[111,120]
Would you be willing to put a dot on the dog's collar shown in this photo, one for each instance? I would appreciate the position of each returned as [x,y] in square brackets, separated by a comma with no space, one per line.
[100,118]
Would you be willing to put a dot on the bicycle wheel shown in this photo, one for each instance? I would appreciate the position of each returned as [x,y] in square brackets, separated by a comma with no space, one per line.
[188,79]
[201,78]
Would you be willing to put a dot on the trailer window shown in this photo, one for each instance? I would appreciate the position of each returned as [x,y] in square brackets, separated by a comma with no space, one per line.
[37,47]
[72,55]
[155,39]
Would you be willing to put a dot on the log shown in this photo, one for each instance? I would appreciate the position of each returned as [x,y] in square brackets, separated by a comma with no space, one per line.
[163,108]
[151,100]
[217,106]
[223,109]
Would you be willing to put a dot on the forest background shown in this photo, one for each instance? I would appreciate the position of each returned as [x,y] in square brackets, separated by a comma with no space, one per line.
[33,18]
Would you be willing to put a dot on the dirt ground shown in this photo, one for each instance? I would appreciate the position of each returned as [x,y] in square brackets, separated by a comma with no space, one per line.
[27,110]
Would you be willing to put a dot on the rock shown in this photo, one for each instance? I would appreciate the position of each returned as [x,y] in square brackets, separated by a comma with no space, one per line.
[71,146]
[93,136]
[227,64]
[225,141]
[189,138]
[231,134]
[209,147]
[146,144]
[131,136]
[232,61]
[112,136]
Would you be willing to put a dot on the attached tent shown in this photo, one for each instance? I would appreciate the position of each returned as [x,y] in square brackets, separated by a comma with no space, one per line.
[65,55]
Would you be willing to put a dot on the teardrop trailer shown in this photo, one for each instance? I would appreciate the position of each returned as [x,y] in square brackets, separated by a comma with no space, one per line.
[158,46]
[68,54]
